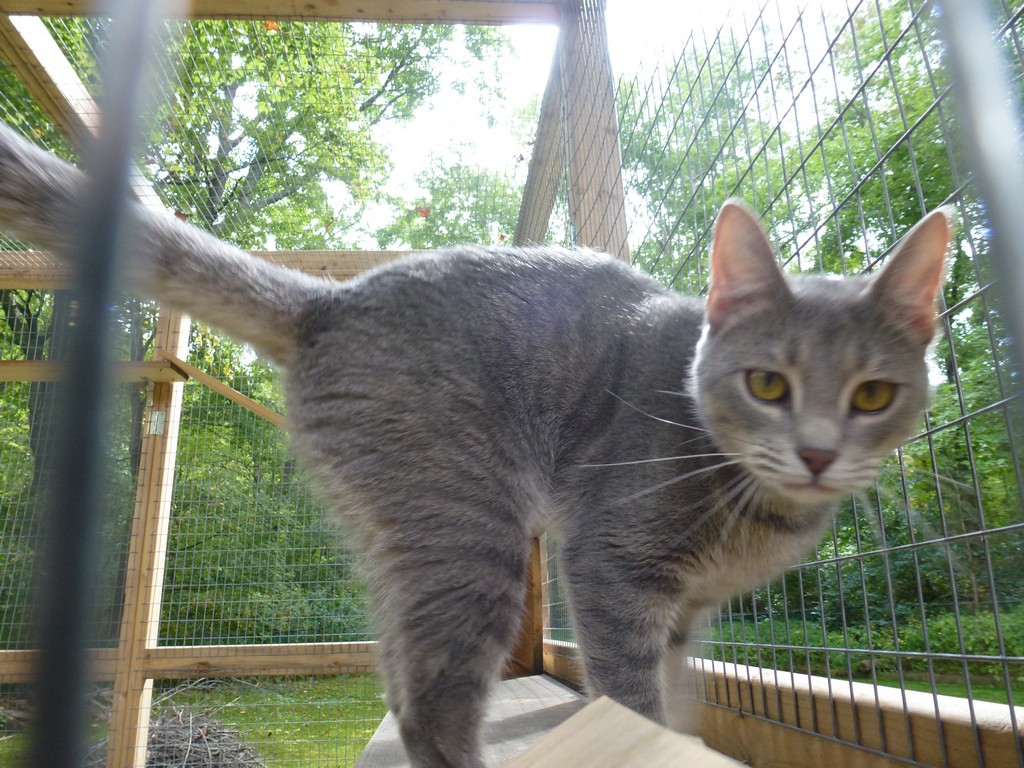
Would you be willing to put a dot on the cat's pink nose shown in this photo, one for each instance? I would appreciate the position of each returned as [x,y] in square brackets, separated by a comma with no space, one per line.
[816,459]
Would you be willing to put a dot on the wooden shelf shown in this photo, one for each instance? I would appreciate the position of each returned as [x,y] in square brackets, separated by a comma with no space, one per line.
[423,11]
[48,370]
[42,270]
[192,661]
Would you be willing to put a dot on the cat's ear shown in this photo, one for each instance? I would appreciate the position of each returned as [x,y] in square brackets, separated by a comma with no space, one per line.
[908,286]
[744,274]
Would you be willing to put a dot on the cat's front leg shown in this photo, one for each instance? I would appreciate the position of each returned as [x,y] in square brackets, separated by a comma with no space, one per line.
[446,558]
[447,611]
[682,709]
[621,624]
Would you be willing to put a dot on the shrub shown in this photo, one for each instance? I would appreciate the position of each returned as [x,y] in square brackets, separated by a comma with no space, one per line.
[857,648]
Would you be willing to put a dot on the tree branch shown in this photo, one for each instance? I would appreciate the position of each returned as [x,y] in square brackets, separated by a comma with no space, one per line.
[370,101]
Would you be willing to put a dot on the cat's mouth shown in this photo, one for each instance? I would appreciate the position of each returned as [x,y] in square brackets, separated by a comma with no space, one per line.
[813,492]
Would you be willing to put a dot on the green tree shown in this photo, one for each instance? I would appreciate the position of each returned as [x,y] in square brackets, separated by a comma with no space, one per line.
[688,148]
[245,150]
[265,117]
[253,142]
[881,150]
[462,204]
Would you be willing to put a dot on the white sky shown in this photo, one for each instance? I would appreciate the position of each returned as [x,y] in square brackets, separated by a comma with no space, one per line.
[638,29]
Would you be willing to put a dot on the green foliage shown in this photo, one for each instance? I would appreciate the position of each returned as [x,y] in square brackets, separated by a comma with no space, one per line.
[21,112]
[268,122]
[265,128]
[913,646]
[249,559]
[463,204]
[838,190]
[262,126]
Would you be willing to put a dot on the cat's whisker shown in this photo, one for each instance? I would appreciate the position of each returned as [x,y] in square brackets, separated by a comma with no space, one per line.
[915,517]
[918,522]
[671,423]
[676,479]
[672,392]
[642,412]
[747,492]
[731,489]
[907,470]
[875,518]
[654,461]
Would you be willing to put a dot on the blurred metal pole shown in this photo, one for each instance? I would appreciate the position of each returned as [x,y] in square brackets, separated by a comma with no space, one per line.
[74,511]
[991,128]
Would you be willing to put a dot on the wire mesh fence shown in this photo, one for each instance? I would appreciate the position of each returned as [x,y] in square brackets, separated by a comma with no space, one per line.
[251,557]
[837,124]
[275,720]
[834,121]
[293,138]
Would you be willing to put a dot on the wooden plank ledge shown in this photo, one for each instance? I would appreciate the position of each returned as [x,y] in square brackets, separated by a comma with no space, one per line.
[767,718]
[50,370]
[742,702]
[411,11]
[41,269]
[535,722]
[605,734]
[519,713]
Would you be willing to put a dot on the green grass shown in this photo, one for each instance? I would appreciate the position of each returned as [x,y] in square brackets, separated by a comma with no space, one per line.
[991,693]
[328,720]
[305,720]
[288,721]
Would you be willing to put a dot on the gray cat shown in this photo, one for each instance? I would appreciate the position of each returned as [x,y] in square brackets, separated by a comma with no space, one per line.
[451,406]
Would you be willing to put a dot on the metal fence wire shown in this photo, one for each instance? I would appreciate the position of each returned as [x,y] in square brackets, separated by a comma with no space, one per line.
[836,121]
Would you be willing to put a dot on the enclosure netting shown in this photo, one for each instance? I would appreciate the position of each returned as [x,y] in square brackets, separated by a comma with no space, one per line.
[837,126]
[276,136]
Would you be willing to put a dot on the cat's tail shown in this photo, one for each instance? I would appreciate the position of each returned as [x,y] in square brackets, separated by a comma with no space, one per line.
[171,261]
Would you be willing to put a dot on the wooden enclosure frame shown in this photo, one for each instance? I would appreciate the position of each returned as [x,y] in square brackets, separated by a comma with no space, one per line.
[576,139]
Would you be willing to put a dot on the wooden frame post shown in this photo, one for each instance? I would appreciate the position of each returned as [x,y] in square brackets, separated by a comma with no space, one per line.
[597,203]
[547,164]
[528,655]
[140,620]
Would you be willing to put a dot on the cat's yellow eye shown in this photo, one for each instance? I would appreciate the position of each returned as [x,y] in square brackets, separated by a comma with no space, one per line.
[768,385]
[873,396]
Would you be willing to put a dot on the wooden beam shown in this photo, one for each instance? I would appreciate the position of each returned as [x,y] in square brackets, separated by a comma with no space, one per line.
[218,386]
[596,198]
[53,83]
[271,659]
[50,370]
[411,11]
[20,666]
[192,661]
[340,265]
[769,718]
[30,55]
[547,165]
[42,270]
[147,552]
[35,270]
[528,654]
